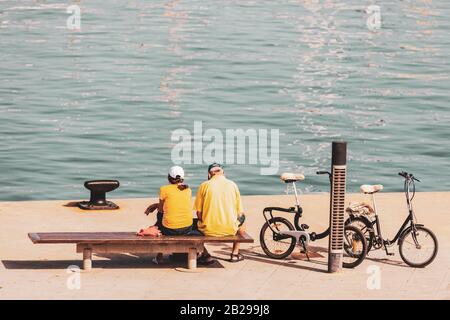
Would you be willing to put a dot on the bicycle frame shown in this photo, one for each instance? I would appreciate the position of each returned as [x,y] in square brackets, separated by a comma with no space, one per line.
[297,210]
[410,219]
[300,231]
[404,226]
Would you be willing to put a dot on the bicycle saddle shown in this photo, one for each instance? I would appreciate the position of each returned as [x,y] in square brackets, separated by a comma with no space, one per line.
[370,189]
[292,177]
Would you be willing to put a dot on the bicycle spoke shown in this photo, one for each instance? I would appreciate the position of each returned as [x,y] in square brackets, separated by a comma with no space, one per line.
[420,251]
[273,244]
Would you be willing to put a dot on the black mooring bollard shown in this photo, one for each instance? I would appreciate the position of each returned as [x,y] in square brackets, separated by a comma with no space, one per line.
[98,189]
[337,205]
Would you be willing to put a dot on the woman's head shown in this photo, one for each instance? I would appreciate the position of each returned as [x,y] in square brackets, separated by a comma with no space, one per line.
[176,176]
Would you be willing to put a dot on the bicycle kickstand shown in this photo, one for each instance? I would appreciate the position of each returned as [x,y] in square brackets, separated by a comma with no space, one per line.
[386,244]
[305,249]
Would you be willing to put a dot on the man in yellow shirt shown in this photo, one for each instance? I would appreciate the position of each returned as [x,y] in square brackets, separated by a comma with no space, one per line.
[219,209]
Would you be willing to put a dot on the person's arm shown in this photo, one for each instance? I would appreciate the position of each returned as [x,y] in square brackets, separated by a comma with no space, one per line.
[198,204]
[161,206]
[239,207]
[151,208]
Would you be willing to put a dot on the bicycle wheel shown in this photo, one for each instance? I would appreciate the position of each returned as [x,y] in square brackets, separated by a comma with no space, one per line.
[273,245]
[355,247]
[418,249]
[366,228]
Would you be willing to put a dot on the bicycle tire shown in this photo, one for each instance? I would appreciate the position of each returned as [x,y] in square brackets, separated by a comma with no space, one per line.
[401,243]
[367,230]
[265,228]
[358,258]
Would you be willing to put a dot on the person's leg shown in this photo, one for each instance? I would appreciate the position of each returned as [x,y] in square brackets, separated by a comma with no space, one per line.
[236,247]
[205,258]
[165,231]
[158,259]
[235,255]
[240,231]
[195,233]
[177,232]
[194,229]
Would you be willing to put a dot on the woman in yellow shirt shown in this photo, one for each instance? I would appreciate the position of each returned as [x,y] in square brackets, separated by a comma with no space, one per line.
[174,217]
[175,205]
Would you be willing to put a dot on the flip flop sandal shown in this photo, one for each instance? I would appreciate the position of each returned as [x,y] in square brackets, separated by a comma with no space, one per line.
[236,257]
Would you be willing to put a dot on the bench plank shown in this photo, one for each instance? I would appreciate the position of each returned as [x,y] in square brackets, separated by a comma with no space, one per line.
[127,238]
[181,247]
[34,237]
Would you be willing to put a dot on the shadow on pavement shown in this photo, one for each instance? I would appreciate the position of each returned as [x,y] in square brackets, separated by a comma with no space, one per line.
[389,262]
[253,256]
[115,261]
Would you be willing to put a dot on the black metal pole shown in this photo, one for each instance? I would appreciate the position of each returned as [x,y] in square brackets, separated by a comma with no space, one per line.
[337,205]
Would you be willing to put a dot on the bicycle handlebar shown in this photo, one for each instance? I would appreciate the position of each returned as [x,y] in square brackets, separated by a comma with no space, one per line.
[403,174]
[408,176]
[323,172]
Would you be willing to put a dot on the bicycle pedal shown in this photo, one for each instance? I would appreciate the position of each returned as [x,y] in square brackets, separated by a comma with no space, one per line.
[304,226]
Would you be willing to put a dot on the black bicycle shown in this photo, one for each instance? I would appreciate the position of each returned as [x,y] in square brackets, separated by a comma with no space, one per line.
[278,237]
[418,246]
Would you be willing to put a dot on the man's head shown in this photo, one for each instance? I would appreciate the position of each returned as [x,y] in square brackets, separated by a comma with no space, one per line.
[215,169]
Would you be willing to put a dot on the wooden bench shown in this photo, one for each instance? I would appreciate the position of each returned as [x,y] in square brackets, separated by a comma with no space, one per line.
[128,242]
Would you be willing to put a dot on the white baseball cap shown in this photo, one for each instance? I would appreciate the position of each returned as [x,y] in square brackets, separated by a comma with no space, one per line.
[176,172]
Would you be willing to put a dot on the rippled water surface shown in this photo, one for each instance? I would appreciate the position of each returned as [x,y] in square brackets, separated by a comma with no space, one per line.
[103,101]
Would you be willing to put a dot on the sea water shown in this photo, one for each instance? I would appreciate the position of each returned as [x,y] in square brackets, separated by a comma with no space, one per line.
[98,95]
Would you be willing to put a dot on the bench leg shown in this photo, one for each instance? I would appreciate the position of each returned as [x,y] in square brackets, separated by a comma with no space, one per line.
[192,258]
[87,259]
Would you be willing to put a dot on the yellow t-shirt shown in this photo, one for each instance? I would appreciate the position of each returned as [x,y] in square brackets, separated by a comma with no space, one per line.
[219,201]
[177,206]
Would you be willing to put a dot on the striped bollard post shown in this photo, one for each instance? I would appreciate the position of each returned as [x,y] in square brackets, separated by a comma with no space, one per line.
[337,205]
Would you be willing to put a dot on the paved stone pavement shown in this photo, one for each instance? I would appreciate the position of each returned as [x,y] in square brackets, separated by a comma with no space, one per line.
[30,271]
